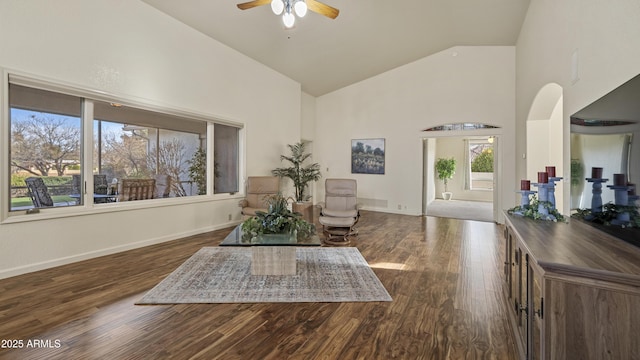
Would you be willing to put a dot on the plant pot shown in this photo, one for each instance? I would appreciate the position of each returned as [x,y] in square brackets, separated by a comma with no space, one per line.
[305,208]
[447,195]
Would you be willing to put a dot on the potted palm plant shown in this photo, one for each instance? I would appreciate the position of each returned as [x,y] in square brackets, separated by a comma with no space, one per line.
[446,168]
[299,173]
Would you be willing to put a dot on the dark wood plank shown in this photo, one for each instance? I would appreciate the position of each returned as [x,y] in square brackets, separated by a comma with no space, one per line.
[443,274]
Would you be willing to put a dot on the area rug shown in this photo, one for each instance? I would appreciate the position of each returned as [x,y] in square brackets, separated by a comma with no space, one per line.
[223,275]
[460,209]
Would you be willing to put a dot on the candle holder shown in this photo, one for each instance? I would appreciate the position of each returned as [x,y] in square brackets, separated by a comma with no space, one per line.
[543,200]
[552,189]
[633,199]
[621,199]
[596,199]
[524,201]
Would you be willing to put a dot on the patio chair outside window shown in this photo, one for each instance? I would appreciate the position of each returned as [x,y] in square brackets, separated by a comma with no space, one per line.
[136,189]
[38,192]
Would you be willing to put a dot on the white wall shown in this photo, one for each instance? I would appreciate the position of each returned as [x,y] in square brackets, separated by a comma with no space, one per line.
[461,84]
[430,175]
[131,50]
[603,34]
[307,133]
[308,117]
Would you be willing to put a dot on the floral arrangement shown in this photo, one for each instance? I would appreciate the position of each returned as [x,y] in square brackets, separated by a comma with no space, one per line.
[532,210]
[278,220]
[610,212]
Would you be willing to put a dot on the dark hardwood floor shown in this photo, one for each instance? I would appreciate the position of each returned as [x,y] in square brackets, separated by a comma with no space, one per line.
[444,276]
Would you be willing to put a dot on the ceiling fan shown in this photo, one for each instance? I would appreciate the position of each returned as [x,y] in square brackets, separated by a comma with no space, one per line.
[289,7]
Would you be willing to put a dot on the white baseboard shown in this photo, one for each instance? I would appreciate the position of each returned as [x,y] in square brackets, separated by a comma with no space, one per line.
[108,251]
[390,211]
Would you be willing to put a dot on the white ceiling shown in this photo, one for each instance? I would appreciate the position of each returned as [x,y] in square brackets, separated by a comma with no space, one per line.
[368,37]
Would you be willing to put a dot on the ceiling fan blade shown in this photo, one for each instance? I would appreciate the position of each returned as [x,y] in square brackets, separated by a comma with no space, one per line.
[252,4]
[322,9]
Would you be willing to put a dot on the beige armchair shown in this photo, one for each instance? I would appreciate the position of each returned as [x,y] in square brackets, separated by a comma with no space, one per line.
[258,189]
[340,211]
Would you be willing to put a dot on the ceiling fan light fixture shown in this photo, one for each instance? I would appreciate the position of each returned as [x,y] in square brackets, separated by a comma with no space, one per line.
[277,6]
[288,19]
[300,8]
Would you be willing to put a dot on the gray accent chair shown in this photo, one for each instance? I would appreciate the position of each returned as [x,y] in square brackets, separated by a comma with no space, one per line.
[340,211]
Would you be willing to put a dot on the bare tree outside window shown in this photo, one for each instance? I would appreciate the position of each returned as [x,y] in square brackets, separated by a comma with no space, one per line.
[170,159]
[42,143]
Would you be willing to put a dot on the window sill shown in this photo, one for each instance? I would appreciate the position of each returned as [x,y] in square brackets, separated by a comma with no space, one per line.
[95,209]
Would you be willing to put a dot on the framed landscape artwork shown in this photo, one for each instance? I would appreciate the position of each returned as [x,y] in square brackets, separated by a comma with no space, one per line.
[367,156]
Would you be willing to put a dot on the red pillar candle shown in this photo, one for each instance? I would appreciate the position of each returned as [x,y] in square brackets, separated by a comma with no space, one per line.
[619,179]
[551,170]
[596,172]
[525,185]
[543,177]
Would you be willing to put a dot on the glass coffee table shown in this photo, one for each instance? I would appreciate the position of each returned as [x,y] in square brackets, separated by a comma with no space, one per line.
[270,255]
[237,238]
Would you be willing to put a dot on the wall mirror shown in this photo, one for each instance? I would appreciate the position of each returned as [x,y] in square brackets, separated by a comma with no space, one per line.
[606,134]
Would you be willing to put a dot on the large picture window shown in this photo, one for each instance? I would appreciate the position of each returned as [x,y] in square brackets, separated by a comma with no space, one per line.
[134,153]
[132,143]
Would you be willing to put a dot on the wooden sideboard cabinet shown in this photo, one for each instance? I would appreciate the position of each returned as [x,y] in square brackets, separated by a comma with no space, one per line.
[573,291]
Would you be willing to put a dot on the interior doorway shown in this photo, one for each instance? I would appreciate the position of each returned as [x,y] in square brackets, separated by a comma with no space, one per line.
[474,192]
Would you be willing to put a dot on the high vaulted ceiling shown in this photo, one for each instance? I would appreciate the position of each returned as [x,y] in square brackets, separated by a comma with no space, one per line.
[368,37]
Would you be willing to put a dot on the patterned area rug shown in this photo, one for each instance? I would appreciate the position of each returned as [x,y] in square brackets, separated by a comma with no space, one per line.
[223,275]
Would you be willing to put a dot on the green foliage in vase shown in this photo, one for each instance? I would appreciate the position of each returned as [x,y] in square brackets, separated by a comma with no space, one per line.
[277,220]
[532,210]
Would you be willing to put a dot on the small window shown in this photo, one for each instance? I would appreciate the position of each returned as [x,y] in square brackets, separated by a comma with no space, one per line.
[226,160]
[480,164]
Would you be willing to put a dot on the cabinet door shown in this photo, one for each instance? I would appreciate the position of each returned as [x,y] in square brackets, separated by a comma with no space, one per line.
[514,280]
[520,295]
[508,261]
[536,306]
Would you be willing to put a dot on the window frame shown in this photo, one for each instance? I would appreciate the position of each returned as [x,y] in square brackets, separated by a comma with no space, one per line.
[89,96]
[468,172]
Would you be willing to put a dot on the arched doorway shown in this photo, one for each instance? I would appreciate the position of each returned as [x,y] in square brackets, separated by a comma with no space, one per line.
[545,137]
